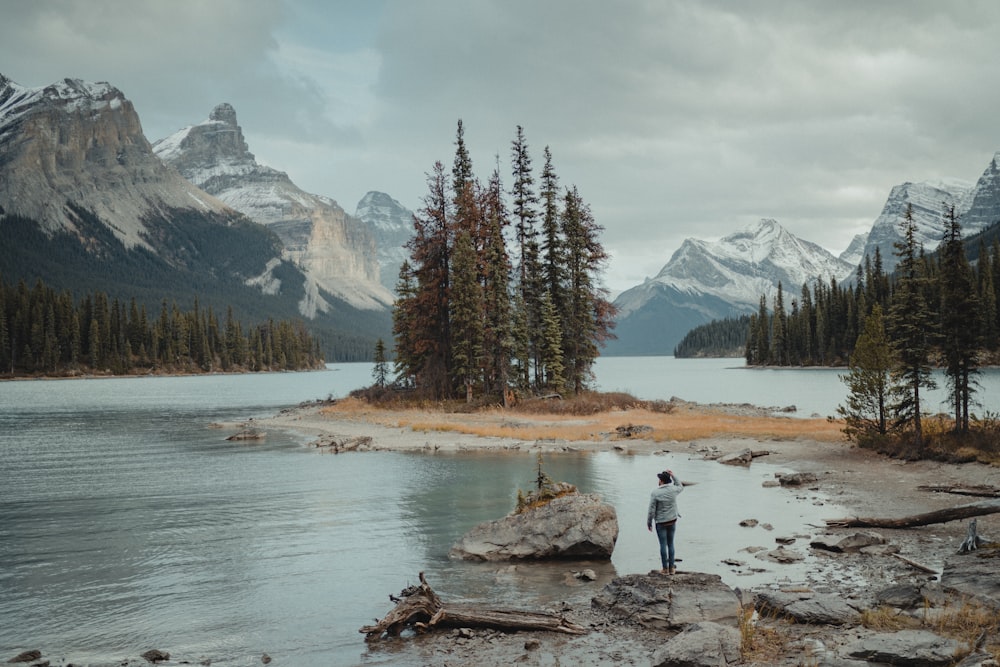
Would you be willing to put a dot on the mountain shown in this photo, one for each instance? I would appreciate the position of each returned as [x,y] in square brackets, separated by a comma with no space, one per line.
[928,201]
[81,142]
[392,225]
[855,252]
[336,252]
[86,205]
[706,280]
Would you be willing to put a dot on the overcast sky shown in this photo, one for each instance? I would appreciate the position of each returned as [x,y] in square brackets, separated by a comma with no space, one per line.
[675,119]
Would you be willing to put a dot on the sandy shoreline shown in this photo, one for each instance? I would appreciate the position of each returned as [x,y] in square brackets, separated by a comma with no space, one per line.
[868,484]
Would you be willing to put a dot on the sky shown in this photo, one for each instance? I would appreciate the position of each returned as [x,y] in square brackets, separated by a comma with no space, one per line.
[674,119]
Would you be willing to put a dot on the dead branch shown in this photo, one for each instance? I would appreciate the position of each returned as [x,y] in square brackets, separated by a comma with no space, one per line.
[915,564]
[960,512]
[420,608]
[980,490]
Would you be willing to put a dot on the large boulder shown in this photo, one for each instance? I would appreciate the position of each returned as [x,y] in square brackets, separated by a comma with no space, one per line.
[575,526]
[670,602]
[700,645]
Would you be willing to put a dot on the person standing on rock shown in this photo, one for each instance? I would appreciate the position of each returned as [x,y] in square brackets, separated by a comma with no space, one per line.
[663,512]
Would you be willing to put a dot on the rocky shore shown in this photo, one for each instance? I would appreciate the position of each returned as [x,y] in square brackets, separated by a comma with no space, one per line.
[889,610]
[871,597]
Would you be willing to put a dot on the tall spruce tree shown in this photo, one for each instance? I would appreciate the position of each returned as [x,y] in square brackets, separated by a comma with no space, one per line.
[961,323]
[466,304]
[911,328]
[589,316]
[427,315]
[530,285]
[498,332]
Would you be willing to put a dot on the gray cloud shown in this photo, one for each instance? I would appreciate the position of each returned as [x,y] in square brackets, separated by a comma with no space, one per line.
[675,119]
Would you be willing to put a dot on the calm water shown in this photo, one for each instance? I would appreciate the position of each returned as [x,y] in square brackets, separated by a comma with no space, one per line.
[127,524]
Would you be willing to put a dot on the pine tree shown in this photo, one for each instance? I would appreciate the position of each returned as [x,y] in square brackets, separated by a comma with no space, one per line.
[530,285]
[961,323]
[466,315]
[380,372]
[430,253]
[498,332]
[589,315]
[911,329]
[868,381]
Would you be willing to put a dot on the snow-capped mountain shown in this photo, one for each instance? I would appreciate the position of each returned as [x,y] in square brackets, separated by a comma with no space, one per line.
[86,205]
[392,224]
[928,200]
[707,280]
[855,252]
[78,142]
[336,251]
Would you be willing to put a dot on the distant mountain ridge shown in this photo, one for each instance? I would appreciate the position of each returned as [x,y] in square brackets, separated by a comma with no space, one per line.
[703,281]
[707,280]
[392,224]
[74,141]
[86,205]
[336,251]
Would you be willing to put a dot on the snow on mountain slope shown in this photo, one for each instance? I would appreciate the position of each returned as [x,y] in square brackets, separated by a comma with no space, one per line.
[739,268]
[336,251]
[75,141]
[928,200]
[392,224]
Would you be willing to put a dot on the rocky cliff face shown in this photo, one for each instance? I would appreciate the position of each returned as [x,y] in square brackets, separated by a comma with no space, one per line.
[337,252]
[392,224]
[928,201]
[82,142]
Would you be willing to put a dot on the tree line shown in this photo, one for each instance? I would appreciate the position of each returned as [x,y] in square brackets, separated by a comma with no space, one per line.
[934,311]
[46,332]
[476,318]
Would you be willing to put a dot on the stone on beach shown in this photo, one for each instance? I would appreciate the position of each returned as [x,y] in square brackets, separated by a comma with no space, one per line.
[575,526]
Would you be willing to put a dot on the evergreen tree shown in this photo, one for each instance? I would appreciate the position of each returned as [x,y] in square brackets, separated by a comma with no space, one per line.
[589,316]
[911,328]
[530,283]
[466,315]
[868,381]
[380,372]
[960,324]
[430,253]
[498,332]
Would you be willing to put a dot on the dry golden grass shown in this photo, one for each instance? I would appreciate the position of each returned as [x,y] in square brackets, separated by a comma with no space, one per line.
[688,422]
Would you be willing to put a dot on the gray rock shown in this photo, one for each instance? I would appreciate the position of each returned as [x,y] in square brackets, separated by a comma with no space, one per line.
[669,602]
[740,458]
[155,655]
[577,526]
[851,543]
[808,608]
[910,648]
[700,645]
[797,479]
[911,596]
[974,574]
[781,555]
[26,656]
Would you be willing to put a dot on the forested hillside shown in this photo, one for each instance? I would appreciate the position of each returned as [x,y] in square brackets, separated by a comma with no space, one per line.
[46,332]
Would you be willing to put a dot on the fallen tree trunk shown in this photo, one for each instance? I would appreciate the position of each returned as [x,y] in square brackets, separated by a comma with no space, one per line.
[980,508]
[981,490]
[420,608]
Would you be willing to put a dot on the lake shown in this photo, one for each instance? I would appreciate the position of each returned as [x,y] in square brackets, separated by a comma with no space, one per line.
[126,523]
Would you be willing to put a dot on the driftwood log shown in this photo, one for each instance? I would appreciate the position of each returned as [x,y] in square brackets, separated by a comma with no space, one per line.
[957,513]
[420,608]
[980,490]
